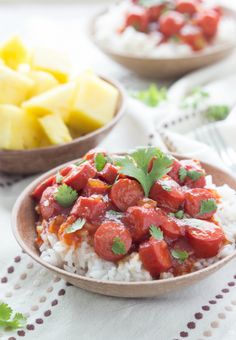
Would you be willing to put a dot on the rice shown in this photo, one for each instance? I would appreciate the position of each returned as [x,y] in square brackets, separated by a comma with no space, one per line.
[136,43]
[84,261]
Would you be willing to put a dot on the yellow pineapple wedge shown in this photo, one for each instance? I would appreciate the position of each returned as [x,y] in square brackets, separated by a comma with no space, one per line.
[14,87]
[14,52]
[50,61]
[43,81]
[93,105]
[57,101]
[55,129]
[18,130]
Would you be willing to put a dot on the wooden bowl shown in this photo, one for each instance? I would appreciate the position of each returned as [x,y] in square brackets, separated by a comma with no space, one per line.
[169,67]
[43,159]
[23,225]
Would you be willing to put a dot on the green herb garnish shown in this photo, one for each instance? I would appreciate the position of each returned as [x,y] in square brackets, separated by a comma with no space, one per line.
[77,225]
[179,214]
[194,98]
[180,255]
[166,187]
[100,161]
[217,112]
[59,178]
[207,206]
[118,246]
[182,174]
[8,320]
[65,196]
[80,161]
[152,97]
[150,3]
[136,165]
[156,232]
[194,175]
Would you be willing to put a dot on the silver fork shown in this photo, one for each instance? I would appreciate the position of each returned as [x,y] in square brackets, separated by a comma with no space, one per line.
[211,135]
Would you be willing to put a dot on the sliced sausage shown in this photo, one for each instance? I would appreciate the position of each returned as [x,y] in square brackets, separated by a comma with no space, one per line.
[78,177]
[109,173]
[38,191]
[196,199]
[93,209]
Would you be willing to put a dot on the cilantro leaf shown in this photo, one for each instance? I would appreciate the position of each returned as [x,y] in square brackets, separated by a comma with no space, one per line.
[182,174]
[118,246]
[6,320]
[207,206]
[166,187]
[59,178]
[194,175]
[152,97]
[194,98]
[180,255]
[77,225]
[179,214]
[100,161]
[65,195]
[136,165]
[80,161]
[156,232]
[217,112]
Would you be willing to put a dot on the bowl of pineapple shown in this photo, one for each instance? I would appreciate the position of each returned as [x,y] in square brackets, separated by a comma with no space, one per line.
[47,114]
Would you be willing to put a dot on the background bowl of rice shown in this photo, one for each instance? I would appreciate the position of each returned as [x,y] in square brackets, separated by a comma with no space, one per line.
[23,225]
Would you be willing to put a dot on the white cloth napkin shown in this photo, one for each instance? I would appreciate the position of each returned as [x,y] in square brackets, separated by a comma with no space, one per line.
[58,311]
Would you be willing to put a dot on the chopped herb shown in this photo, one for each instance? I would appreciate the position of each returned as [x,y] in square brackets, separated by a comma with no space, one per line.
[8,320]
[166,187]
[100,161]
[180,255]
[149,3]
[136,165]
[113,212]
[179,214]
[182,174]
[194,175]
[217,112]
[156,232]
[118,246]
[195,97]
[77,225]
[175,39]
[207,206]
[80,161]
[152,97]
[59,178]
[65,196]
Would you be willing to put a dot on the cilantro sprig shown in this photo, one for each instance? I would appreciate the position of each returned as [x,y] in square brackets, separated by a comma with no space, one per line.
[77,225]
[7,319]
[180,255]
[118,246]
[136,165]
[179,214]
[207,206]
[59,178]
[156,232]
[65,196]
[152,96]
[100,161]
[217,112]
[193,174]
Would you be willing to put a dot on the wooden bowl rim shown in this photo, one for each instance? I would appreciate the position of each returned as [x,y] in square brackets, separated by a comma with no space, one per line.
[63,272]
[220,47]
[120,110]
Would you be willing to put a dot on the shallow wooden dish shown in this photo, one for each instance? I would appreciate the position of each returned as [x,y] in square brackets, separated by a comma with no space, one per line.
[43,159]
[23,225]
[164,68]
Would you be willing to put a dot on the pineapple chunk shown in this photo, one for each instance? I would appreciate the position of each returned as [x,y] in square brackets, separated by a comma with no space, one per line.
[52,62]
[18,131]
[94,104]
[14,52]
[43,81]
[55,129]
[57,100]
[14,87]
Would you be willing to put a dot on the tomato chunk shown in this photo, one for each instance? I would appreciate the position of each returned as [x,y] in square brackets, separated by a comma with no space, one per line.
[193,36]
[187,6]
[193,168]
[138,19]
[206,238]
[171,23]
[91,208]
[104,239]
[167,193]
[139,220]
[38,191]
[109,173]
[200,203]
[155,256]
[95,186]
[48,206]
[77,178]
[126,193]
[208,20]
